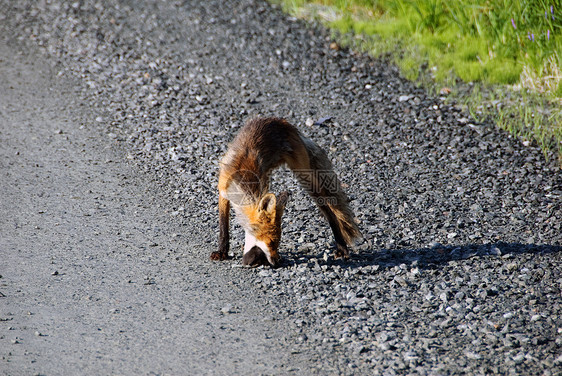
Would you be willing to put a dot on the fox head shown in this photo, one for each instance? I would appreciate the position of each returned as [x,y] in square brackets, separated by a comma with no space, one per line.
[263,233]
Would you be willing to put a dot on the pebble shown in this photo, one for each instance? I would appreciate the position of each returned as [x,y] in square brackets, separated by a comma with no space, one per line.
[473,355]
[228,309]
[535,318]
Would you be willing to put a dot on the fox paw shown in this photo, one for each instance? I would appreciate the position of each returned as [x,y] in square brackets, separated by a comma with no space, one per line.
[219,256]
[341,252]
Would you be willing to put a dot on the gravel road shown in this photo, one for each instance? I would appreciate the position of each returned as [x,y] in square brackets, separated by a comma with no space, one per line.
[113,118]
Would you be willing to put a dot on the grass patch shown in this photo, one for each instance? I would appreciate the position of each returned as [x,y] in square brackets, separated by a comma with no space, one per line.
[509,49]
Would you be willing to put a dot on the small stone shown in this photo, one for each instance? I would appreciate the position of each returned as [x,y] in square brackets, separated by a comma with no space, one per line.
[323,120]
[361,349]
[401,281]
[495,251]
[472,355]
[512,266]
[411,355]
[535,318]
[384,346]
[519,358]
[302,338]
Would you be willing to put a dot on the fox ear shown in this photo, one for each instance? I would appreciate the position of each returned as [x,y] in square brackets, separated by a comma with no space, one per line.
[282,200]
[268,203]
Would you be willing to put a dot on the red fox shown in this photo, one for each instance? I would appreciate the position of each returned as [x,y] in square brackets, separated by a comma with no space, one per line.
[262,145]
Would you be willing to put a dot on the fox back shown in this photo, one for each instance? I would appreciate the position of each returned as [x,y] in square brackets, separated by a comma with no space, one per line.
[262,145]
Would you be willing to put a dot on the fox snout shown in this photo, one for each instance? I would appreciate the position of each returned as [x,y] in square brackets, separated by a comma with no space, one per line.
[256,257]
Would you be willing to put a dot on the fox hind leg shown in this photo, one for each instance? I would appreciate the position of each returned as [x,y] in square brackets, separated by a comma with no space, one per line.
[317,176]
[342,251]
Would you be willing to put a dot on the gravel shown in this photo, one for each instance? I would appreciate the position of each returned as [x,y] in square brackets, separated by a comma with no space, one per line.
[460,267]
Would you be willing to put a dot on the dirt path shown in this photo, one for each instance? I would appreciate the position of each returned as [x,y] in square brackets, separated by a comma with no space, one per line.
[93,278]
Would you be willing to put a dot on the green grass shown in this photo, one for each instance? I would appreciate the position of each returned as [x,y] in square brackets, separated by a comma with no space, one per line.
[512,49]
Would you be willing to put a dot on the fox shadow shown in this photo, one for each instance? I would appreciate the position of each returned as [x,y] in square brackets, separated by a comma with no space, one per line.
[423,258]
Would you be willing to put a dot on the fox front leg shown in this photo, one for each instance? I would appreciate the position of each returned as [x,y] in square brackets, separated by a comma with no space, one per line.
[224,226]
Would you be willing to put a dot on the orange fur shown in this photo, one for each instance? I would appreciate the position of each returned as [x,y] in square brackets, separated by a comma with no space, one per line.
[261,146]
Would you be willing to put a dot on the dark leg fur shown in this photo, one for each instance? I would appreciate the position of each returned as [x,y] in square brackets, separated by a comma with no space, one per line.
[224,236]
[341,247]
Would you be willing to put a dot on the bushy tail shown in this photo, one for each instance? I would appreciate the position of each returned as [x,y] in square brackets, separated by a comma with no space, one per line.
[324,187]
